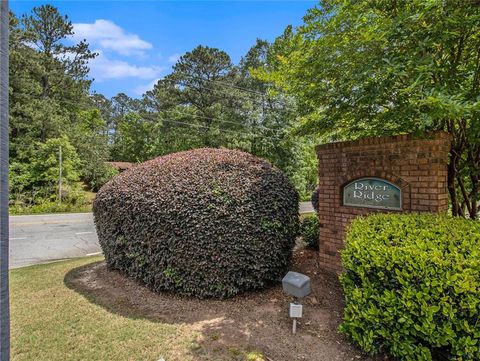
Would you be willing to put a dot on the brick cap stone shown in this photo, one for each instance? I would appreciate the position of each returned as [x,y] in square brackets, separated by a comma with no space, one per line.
[439,135]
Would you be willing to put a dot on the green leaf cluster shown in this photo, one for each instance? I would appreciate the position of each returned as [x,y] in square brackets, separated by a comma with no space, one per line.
[412,286]
[377,68]
[310,230]
[37,181]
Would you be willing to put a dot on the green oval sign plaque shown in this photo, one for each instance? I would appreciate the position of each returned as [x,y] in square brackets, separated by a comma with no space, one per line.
[372,193]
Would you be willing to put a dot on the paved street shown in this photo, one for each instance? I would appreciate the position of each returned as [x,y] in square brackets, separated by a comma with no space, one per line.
[44,238]
[305,207]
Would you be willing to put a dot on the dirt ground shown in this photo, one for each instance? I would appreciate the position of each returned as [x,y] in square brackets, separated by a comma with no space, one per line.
[256,320]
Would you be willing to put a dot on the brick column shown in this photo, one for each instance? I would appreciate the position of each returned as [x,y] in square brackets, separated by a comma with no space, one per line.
[417,166]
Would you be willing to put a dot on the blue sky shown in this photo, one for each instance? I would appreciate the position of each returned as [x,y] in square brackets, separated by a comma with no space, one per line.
[139,41]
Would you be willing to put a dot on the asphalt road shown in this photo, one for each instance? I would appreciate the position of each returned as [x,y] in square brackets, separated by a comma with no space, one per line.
[305,207]
[45,238]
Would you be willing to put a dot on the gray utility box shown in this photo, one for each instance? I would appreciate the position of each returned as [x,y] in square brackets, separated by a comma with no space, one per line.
[296,284]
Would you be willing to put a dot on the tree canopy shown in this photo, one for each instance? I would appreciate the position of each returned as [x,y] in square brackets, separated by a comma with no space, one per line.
[206,101]
[50,107]
[363,68]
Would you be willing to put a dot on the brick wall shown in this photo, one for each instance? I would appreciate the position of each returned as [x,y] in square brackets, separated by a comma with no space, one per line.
[417,166]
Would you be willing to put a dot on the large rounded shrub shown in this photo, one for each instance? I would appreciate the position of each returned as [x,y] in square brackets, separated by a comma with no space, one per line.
[412,286]
[206,222]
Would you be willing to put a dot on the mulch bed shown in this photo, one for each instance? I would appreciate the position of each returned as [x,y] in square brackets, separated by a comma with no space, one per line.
[256,320]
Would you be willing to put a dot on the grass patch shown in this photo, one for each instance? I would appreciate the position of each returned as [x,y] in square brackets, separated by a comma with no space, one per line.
[52,322]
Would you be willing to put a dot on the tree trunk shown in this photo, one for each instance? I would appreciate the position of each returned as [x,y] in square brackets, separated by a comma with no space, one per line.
[474,196]
[452,189]
[4,289]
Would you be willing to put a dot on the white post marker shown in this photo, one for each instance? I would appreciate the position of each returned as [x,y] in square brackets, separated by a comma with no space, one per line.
[296,311]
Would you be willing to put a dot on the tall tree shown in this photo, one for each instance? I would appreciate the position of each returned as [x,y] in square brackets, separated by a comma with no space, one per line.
[360,68]
[135,139]
[121,105]
[4,289]
[201,80]
[63,65]
[49,99]
[105,107]
[272,117]
[49,77]
[91,143]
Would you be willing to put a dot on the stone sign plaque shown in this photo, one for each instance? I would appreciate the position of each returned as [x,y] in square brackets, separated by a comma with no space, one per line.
[372,193]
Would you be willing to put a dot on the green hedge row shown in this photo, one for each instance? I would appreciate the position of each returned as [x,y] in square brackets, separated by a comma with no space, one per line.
[206,222]
[412,286]
[310,230]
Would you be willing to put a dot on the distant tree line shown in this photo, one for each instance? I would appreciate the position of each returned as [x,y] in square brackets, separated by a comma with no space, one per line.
[352,69]
[206,101]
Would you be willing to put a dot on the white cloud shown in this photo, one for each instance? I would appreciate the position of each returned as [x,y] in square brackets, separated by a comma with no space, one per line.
[142,89]
[173,58]
[108,35]
[102,68]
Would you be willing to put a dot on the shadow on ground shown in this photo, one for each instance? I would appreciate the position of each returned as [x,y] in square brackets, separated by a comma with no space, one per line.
[231,328]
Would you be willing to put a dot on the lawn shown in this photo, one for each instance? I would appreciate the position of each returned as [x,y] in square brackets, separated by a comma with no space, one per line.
[53,322]
[81,310]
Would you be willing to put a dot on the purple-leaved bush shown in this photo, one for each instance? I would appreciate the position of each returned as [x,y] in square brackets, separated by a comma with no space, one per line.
[205,222]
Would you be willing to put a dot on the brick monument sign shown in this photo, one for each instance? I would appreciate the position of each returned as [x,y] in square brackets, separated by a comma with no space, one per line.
[386,174]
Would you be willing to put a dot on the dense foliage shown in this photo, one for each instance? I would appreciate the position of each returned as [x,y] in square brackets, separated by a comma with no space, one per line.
[206,222]
[310,230]
[51,112]
[412,286]
[206,101]
[367,68]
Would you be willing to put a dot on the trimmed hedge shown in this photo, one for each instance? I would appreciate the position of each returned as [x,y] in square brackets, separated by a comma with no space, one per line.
[412,286]
[310,230]
[206,222]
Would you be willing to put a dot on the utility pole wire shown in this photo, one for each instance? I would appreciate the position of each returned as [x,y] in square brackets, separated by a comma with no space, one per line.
[198,87]
[223,83]
[221,130]
[202,126]
[184,83]
[4,237]
[262,102]
[222,120]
